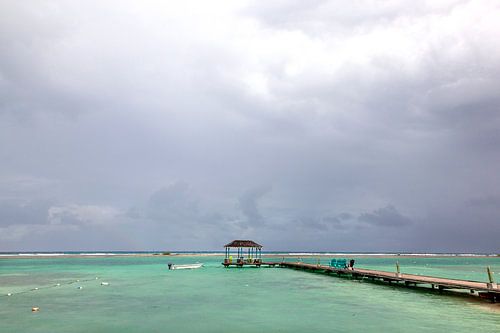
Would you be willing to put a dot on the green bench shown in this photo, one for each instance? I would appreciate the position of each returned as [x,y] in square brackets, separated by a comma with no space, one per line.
[338,263]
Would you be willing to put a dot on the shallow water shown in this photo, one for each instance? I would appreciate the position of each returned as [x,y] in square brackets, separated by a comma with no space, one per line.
[144,296]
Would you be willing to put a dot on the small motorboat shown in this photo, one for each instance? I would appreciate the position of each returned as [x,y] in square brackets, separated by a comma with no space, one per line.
[185,266]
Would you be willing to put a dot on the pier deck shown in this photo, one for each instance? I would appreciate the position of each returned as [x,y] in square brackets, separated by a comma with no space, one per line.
[485,290]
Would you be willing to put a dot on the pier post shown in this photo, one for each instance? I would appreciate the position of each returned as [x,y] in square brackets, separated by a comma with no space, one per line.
[398,271]
[491,284]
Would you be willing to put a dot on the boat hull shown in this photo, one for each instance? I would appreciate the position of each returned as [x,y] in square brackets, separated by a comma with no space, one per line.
[186,266]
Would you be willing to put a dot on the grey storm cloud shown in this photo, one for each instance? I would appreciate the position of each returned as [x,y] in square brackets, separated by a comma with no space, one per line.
[15,213]
[386,216]
[153,125]
[248,204]
[327,223]
[174,200]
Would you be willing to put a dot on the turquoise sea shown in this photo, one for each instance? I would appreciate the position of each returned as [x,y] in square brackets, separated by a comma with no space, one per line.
[144,296]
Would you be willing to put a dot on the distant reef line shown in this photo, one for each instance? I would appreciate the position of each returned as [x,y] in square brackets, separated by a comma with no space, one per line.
[270,254]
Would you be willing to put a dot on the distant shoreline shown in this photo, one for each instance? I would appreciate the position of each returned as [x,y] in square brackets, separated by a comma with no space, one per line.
[49,255]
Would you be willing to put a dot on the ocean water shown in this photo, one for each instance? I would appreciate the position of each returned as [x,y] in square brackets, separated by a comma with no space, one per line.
[144,296]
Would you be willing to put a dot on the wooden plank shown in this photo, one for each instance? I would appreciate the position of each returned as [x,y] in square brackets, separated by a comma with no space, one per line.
[435,282]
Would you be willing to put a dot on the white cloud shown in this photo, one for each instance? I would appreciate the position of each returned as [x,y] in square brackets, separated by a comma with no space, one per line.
[83,214]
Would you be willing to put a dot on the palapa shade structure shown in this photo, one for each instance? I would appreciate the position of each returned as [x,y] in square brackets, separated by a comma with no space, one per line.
[243,243]
[254,251]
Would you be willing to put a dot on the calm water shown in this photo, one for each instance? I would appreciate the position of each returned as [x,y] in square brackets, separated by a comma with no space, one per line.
[143,296]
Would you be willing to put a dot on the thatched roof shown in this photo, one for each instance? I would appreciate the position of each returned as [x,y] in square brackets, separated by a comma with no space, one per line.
[243,243]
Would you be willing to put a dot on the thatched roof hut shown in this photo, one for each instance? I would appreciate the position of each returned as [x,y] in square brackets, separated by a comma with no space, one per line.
[253,253]
[243,243]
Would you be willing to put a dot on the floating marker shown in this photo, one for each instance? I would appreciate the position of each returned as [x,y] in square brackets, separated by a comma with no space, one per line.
[36,288]
[9,294]
[58,284]
[96,278]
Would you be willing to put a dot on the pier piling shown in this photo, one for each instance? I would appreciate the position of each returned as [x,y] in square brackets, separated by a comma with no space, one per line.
[398,271]
[491,284]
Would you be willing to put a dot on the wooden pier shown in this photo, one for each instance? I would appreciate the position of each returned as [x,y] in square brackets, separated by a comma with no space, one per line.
[249,264]
[485,290]
[490,291]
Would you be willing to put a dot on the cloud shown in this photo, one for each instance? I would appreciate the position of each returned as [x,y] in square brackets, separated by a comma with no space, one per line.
[484,202]
[326,223]
[174,201]
[248,204]
[82,214]
[176,207]
[24,213]
[37,222]
[175,215]
[344,216]
[341,221]
[311,223]
[23,232]
[387,216]
[342,108]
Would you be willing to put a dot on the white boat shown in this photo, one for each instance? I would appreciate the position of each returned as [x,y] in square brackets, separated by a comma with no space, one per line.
[185,266]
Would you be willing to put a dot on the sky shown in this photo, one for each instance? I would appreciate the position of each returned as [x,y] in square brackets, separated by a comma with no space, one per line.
[303,125]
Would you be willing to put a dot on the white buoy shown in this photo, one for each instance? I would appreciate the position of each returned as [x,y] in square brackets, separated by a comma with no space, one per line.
[96,278]
[36,288]
[77,280]
[35,309]
[58,284]
[9,294]
[104,283]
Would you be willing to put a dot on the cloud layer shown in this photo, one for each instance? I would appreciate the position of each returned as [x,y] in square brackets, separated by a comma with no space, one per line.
[319,125]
